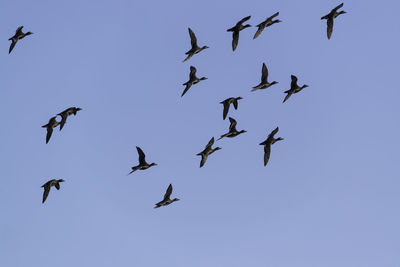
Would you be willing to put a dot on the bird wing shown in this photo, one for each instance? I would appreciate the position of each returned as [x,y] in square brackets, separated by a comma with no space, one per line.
[193,39]
[235,103]
[329,30]
[63,119]
[57,185]
[336,8]
[188,57]
[243,20]
[226,109]
[14,41]
[45,193]
[188,85]
[267,153]
[259,31]
[289,93]
[141,155]
[232,127]
[235,40]
[293,84]
[203,159]
[273,132]
[168,192]
[273,16]
[210,143]
[49,133]
[264,74]
[19,30]
[192,73]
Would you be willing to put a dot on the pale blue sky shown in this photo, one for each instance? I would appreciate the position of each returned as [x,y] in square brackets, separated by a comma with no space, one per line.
[329,196]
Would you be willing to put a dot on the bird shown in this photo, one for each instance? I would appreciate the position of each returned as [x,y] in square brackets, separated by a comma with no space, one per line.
[53,123]
[195,48]
[236,29]
[294,88]
[227,102]
[47,186]
[266,23]
[264,80]
[66,113]
[267,144]
[167,200]
[330,17]
[143,165]
[17,36]
[232,130]
[192,80]
[208,150]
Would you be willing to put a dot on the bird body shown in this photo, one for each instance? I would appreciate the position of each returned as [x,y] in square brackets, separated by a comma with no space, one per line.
[17,36]
[208,150]
[266,23]
[143,165]
[294,88]
[66,113]
[330,17]
[192,80]
[232,130]
[267,144]
[227,102]
[236,29]
[264,80]
[167,198]
[47,186]
[195,48]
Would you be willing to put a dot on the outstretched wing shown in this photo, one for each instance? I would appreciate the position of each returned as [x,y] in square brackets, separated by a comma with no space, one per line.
[19,30]
[267,153]
[293,84]
[336,8]
[210,143]
[243,20]
[203,159]
[264,74]
[232,127]
[188,85]
[141,156]
[289,93]
[235,103]
[273,16]
[192,73]
[226,109]
[259,31]
[45,193]
[14,41]
[193,39]
[168,192]
[235,40]
[63,120]
[329,29]
[49,133]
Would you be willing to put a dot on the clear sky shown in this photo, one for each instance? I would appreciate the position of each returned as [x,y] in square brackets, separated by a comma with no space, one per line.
[329,196]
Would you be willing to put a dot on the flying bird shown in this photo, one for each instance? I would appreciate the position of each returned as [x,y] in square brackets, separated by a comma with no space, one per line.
[330,17]
[17,36]
[236,29]
[192,80]
[267,144]
[227,102]
[266,23]
[264,80]
[47,186]
[195,48]
[143,165]
[294,88]
[208,150]
[66,113]
[53,123]
[167,200]
[232,130]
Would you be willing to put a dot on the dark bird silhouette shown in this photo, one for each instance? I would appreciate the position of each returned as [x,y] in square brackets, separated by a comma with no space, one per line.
[192,80]
[167,200]
[266,23]
[17,36]
[236,29]
[66,113]
[330,17]
[208,150]
[227,102]
[195,48]
[264,80]
[53,123]
[47,186]
[267,144]
[143,165]
[232,130]
[294,88]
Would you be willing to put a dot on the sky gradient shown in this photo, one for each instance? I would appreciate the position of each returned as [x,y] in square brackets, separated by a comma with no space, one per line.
[328,197]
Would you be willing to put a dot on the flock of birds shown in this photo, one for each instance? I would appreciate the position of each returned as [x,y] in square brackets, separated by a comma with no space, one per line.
[193,79]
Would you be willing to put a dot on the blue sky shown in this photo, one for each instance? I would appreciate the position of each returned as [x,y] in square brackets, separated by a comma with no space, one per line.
[328,197]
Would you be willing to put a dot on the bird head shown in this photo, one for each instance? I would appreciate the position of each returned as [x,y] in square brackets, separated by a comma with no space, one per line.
[238,98]
[203,78]
[60,180]
[205,47]
[28,33]
[175,199]
[274,82]
[153,164]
